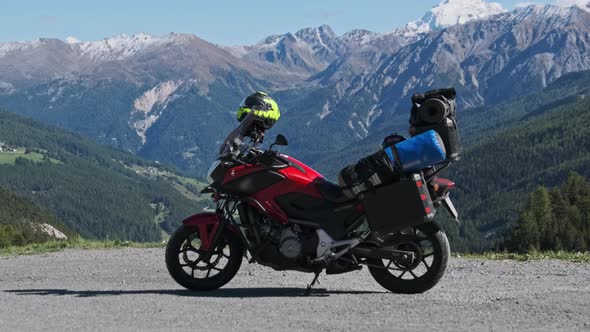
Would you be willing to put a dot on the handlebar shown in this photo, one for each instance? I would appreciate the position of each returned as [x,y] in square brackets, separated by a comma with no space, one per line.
[256,156]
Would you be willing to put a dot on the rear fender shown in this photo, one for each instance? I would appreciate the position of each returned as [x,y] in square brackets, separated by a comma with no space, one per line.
[430,227]
[208,223]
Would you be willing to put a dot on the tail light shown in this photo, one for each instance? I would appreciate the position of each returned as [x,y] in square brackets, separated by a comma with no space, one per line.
[441,186]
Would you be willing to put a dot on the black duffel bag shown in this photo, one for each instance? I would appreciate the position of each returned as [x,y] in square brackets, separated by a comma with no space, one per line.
[368,173]
[436,110]
[432,107]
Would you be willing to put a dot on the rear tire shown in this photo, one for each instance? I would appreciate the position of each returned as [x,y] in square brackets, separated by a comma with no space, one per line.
[200,270]
[426,241]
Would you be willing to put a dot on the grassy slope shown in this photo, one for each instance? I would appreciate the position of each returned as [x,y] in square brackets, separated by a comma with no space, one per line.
[10,157]
[577,257]
[52,246]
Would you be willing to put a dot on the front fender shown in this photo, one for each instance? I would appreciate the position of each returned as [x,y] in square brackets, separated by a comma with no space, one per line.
[205,218]
[208,224]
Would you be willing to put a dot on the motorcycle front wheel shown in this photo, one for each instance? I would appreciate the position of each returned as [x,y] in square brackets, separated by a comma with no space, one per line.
[431,253]
[200,270]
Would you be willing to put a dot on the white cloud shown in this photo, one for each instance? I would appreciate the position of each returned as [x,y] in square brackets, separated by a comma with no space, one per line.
[524,4]
[570,3]
[72,40]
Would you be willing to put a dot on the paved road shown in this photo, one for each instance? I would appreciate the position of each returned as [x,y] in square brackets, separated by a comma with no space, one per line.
[131,290]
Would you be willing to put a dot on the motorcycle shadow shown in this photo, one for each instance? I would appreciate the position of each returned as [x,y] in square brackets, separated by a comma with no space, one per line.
[219,293]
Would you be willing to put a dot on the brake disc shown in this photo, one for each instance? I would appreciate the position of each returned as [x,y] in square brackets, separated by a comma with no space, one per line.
[185,249]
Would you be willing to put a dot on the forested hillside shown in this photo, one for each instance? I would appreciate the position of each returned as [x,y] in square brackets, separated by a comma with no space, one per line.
[20,220]
[555,219]
[500,169]
[96,191]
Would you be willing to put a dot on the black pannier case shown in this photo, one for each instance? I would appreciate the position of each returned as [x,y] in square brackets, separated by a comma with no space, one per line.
[399,205]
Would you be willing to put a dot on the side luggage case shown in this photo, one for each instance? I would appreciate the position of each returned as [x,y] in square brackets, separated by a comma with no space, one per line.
[399,205]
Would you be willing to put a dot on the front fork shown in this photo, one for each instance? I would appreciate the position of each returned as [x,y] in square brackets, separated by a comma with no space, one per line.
[211,227]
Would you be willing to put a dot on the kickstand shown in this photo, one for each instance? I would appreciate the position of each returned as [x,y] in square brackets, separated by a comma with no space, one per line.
[313,282]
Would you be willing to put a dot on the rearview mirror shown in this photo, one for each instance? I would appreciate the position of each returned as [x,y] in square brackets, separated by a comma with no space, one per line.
[280,140]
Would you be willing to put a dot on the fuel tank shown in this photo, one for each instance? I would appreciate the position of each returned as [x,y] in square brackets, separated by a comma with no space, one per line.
[250,179]
[265,184]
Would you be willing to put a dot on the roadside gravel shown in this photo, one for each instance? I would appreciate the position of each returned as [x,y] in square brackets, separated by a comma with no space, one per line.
[130,289]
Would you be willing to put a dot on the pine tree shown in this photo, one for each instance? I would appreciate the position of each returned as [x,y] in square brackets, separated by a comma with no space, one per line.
[526,236]
[559,220]
[540,208]
[559,217]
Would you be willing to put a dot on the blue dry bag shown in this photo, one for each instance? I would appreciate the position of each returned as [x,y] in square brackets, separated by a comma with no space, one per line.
[418,152]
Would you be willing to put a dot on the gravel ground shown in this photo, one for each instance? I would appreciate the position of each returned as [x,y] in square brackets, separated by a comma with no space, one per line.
[130,290]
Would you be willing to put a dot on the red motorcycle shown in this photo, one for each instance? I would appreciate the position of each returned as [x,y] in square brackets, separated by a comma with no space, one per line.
[275,211]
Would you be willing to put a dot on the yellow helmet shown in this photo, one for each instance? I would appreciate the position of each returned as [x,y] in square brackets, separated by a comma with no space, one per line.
[262,106]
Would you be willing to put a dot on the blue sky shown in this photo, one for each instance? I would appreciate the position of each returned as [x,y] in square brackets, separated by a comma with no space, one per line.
[218,21]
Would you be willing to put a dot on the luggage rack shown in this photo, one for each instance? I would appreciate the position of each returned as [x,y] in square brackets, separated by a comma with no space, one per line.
[437,169]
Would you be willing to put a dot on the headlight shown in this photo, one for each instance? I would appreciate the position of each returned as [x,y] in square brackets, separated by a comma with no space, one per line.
[212,169]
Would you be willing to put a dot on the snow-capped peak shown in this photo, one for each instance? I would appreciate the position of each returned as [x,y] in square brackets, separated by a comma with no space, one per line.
[270,41]
[448,13]
[8,47]
[321,34]
[359,36]
[120,46]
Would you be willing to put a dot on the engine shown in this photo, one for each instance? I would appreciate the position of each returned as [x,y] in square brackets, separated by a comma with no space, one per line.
[279,246]
[289,247]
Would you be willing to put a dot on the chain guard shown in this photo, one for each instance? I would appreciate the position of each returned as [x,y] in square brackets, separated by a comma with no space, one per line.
[408,242]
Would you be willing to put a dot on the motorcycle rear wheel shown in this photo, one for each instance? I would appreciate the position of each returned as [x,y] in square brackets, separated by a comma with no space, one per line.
[431,250]
[200,270]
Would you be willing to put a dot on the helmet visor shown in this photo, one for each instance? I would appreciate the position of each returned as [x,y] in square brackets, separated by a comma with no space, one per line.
[243,103]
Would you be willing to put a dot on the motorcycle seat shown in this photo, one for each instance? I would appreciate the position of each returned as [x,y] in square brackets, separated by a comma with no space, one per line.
[331,191]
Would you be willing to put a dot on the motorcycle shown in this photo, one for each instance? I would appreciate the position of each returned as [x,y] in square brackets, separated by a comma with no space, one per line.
[274,210]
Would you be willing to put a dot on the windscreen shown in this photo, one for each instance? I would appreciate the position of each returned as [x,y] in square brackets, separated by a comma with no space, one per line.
[235,139]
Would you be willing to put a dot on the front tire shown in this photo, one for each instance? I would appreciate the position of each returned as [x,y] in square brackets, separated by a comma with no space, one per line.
[200,270]
[431,249]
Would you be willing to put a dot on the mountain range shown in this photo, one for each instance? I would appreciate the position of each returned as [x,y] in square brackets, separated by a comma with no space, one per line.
[173,98]
[522,78]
